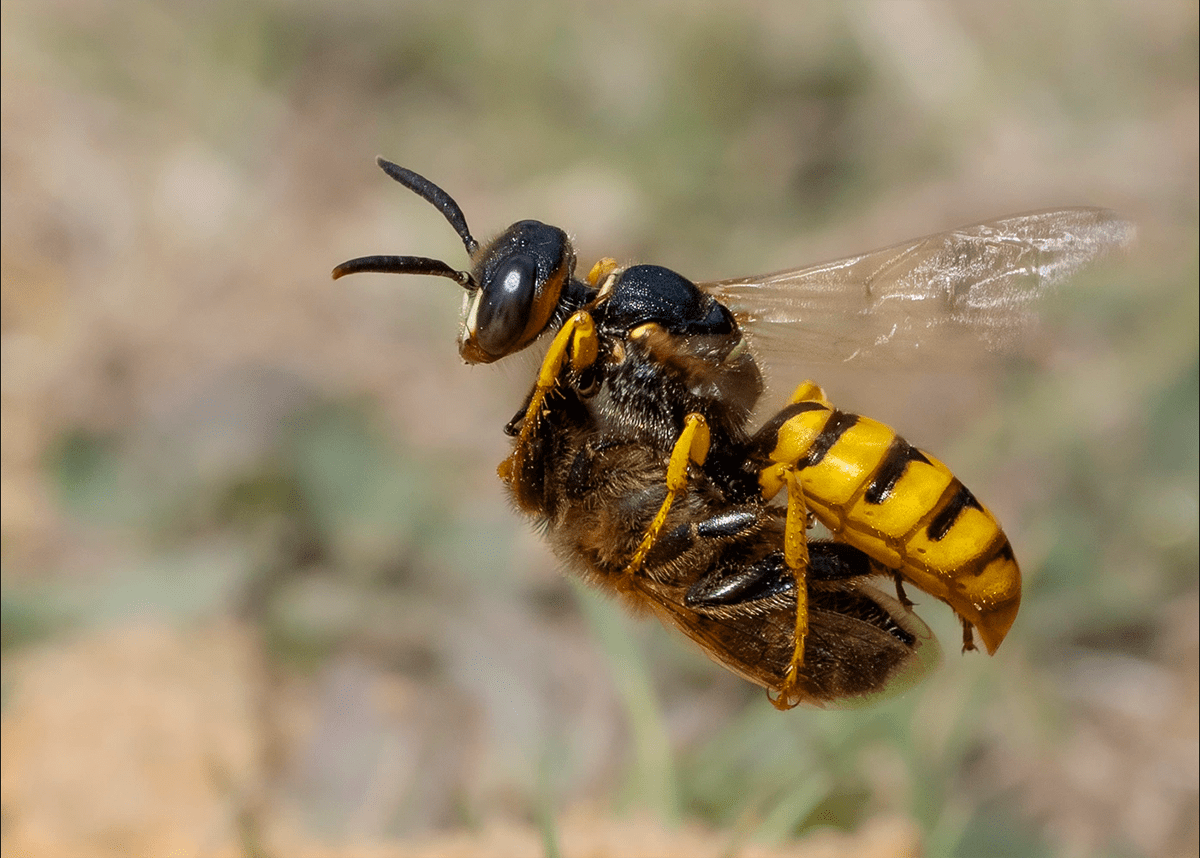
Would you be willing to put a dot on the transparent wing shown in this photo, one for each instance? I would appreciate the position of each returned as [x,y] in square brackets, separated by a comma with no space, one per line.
[948,293]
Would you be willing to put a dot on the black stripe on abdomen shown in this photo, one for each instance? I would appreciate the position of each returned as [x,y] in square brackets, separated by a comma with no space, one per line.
[947,515]
[891,469]
[838,424]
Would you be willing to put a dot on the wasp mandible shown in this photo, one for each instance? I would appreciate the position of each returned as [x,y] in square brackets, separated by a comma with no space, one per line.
[634,450]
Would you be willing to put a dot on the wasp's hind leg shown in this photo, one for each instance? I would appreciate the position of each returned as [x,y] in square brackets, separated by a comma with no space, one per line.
[808,391]
[691,447]
[795,556]
[795,546]
[968,635]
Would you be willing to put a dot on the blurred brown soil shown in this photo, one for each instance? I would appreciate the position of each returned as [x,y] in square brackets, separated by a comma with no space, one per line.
[149,740]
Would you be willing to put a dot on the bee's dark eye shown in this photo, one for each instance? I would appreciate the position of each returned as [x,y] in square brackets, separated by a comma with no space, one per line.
[505,303]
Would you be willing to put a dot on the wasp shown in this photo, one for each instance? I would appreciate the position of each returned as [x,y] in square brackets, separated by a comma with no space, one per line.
[634,449]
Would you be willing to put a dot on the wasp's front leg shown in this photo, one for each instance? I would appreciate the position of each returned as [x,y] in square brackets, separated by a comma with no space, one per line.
[576,345]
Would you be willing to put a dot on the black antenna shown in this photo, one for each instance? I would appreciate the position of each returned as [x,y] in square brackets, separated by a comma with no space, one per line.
[440,200]
[404,265]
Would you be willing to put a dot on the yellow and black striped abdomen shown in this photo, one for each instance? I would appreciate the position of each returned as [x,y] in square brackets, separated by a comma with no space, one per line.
[875,491]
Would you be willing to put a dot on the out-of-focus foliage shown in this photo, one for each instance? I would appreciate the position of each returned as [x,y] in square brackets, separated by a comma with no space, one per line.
[262,590]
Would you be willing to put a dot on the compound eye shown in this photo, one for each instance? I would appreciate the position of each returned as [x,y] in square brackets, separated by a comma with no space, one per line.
[505,304]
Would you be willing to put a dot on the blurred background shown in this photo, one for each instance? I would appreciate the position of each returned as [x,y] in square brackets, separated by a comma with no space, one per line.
[262,591]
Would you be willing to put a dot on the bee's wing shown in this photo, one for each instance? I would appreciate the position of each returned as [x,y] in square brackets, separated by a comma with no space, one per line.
[851,658]
[963,287]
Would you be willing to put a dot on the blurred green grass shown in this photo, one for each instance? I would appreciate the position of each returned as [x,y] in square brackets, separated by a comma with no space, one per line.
[197,424]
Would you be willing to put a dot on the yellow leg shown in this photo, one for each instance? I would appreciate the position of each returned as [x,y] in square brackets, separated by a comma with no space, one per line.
[795,555]
[772,479]
[691,446]
[576,343]
[601,269]
[808,391]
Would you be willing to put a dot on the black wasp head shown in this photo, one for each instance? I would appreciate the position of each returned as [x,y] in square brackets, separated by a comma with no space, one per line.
[515,283]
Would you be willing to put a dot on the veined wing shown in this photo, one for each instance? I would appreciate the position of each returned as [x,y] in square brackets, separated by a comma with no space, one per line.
[949,292]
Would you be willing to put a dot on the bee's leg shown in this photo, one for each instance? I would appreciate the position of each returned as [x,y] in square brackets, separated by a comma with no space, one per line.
[729,523]
[735,586]
[575,343]
[513,427]
[723,525]
[691,446]
[764,579]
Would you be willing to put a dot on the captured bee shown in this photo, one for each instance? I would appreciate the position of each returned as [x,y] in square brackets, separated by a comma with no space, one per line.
[634,448]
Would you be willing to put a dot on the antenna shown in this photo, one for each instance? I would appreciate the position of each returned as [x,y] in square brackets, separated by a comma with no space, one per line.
[444,203]
[434,195]
[404,265]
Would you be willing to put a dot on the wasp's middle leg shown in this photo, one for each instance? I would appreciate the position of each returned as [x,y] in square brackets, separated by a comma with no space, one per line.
[691,447]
